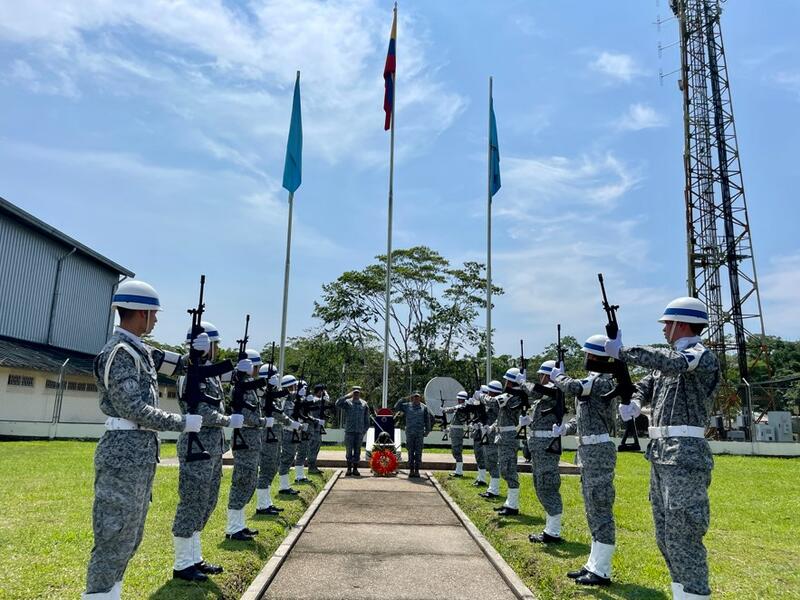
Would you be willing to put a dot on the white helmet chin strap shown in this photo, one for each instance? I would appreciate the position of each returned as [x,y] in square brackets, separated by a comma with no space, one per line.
[672,331]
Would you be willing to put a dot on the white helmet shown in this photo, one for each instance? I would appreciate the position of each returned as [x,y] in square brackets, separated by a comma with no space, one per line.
[595,345]
[546,367]
[254,356]
[267,371]
[513,375]
[462,395]
[288,381]
[685,310]
[209,329]
[484,388]
[495,386]
[136,295]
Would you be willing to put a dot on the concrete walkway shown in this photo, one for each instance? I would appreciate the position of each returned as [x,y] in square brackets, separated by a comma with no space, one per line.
[388,539]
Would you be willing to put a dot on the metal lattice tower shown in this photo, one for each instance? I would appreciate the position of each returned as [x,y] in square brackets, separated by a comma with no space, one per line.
[721,267]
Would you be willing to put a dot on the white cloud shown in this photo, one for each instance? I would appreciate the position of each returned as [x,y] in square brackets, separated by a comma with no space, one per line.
[640,116]
[789,80]
[618,66]
[780,291]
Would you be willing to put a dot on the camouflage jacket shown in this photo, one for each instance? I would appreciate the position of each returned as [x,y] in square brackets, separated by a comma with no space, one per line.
[419,420]
[681,389]
[593,415]
[356,414]
[540,402]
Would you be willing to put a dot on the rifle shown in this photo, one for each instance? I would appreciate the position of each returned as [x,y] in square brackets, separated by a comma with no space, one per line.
[196,373]
[238,403]
[523,362]
[558,408]
[444,418]
[624,388]
[323,409]
[269,399]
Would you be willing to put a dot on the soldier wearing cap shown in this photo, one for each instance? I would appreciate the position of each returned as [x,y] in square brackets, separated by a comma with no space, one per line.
[494,389]
[271,436]
[419,422]
[125,459]
[460,413]
[598,457]
[245,459]
[290,439]
[199,480]
[356,423]
[509,419]
[680,388]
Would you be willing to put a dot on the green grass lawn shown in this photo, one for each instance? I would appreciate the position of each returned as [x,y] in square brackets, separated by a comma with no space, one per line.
[753,543]
[431,449]
[46,529]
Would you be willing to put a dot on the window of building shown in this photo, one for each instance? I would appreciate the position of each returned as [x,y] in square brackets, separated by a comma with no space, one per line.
[79,386]
[20,380]
[51,384]
[172,394]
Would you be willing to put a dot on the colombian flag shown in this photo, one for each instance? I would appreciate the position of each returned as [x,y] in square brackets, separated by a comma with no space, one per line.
[388,74]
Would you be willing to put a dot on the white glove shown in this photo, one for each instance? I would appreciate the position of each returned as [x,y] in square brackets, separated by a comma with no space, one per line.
[274,381]
[270,421]
[193,423]
[629,411]
[294,425]
[559,430]
[614,346]
[304,426]
[321,422]
[237,420]
[521,378]
[302,392]
[524,420]
[202,343]
[245,365]
[476,397]
[325,396]
[557,370]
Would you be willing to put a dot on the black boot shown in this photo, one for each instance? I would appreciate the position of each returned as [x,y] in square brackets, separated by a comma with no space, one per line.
[239,536]
[592,579]
[545,538]
[507,511]
[189,574]
[270,510]
[579,573]
[208,568]
[355,470]
[349,470]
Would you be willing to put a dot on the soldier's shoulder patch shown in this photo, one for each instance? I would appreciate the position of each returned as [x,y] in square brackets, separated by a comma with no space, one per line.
[692,355]
[587,384]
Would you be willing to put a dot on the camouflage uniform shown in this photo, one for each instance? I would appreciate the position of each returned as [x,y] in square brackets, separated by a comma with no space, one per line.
[490,447]
[314,434]
[419,423]
[290,440]
[477,439]
[125,459]
[456,432]
[594,416]
[356,423]
[544,464]
[506,438]
[270,450]
[198,481]
[245,461]
[681,389]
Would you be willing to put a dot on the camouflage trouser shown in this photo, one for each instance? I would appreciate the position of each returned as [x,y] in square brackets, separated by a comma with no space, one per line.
[546,478]
[480,451]
[289,445]
[245,469]
[268,458]
[314,445]
[302,449]
[414,444]
[507,458]
[198,489]
[490,452]
[457,444]
[597,485]
[682,514]
[352,446]
[121,500]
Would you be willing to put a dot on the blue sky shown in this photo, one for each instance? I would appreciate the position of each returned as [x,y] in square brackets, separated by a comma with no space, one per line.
[155,132]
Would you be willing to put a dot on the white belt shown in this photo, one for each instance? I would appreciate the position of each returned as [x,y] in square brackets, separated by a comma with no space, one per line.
[589,440]
[676,431]
[507,428]
[541,433]
[117,423]
[461,427]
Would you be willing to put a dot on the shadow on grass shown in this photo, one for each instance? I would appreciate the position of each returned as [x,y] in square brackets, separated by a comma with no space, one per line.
[628,591]
[176,588]
[566,549]
[238,546]
[521,519]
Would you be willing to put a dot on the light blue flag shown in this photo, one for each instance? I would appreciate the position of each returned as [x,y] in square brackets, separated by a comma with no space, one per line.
[494,184]
[293,169]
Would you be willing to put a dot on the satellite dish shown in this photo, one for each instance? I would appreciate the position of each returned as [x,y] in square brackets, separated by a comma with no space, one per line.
[441,388]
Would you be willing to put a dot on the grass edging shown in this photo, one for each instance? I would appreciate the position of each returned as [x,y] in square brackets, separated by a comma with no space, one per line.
[508,574]
[267,574]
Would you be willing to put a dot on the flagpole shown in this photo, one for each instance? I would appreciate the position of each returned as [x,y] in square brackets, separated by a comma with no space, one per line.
[385,386]
[282,354]
[489,247]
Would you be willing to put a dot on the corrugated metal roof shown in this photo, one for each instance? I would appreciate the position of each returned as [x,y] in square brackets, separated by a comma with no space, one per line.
[42,227]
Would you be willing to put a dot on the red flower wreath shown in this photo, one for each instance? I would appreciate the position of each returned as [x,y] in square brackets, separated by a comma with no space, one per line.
[383,462]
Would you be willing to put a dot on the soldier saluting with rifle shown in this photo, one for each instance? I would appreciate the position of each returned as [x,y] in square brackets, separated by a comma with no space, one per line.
[200,454]
[547,410]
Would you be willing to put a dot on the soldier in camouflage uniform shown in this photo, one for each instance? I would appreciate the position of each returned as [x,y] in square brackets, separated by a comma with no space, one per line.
[477,435]
[198,481]
[419,422]
[511,404]
[457,425]
[245,460]
[291,436]
[271,436]
[495,388]
[304,446]
[598,458]
[681,390]
[125,459]
[318,401]
[356,423]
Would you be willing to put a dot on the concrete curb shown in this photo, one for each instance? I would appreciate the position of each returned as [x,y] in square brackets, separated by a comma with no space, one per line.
[519,589]
[267,574]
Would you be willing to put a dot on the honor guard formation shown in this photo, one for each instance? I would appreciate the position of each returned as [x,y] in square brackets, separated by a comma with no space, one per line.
[278,425]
